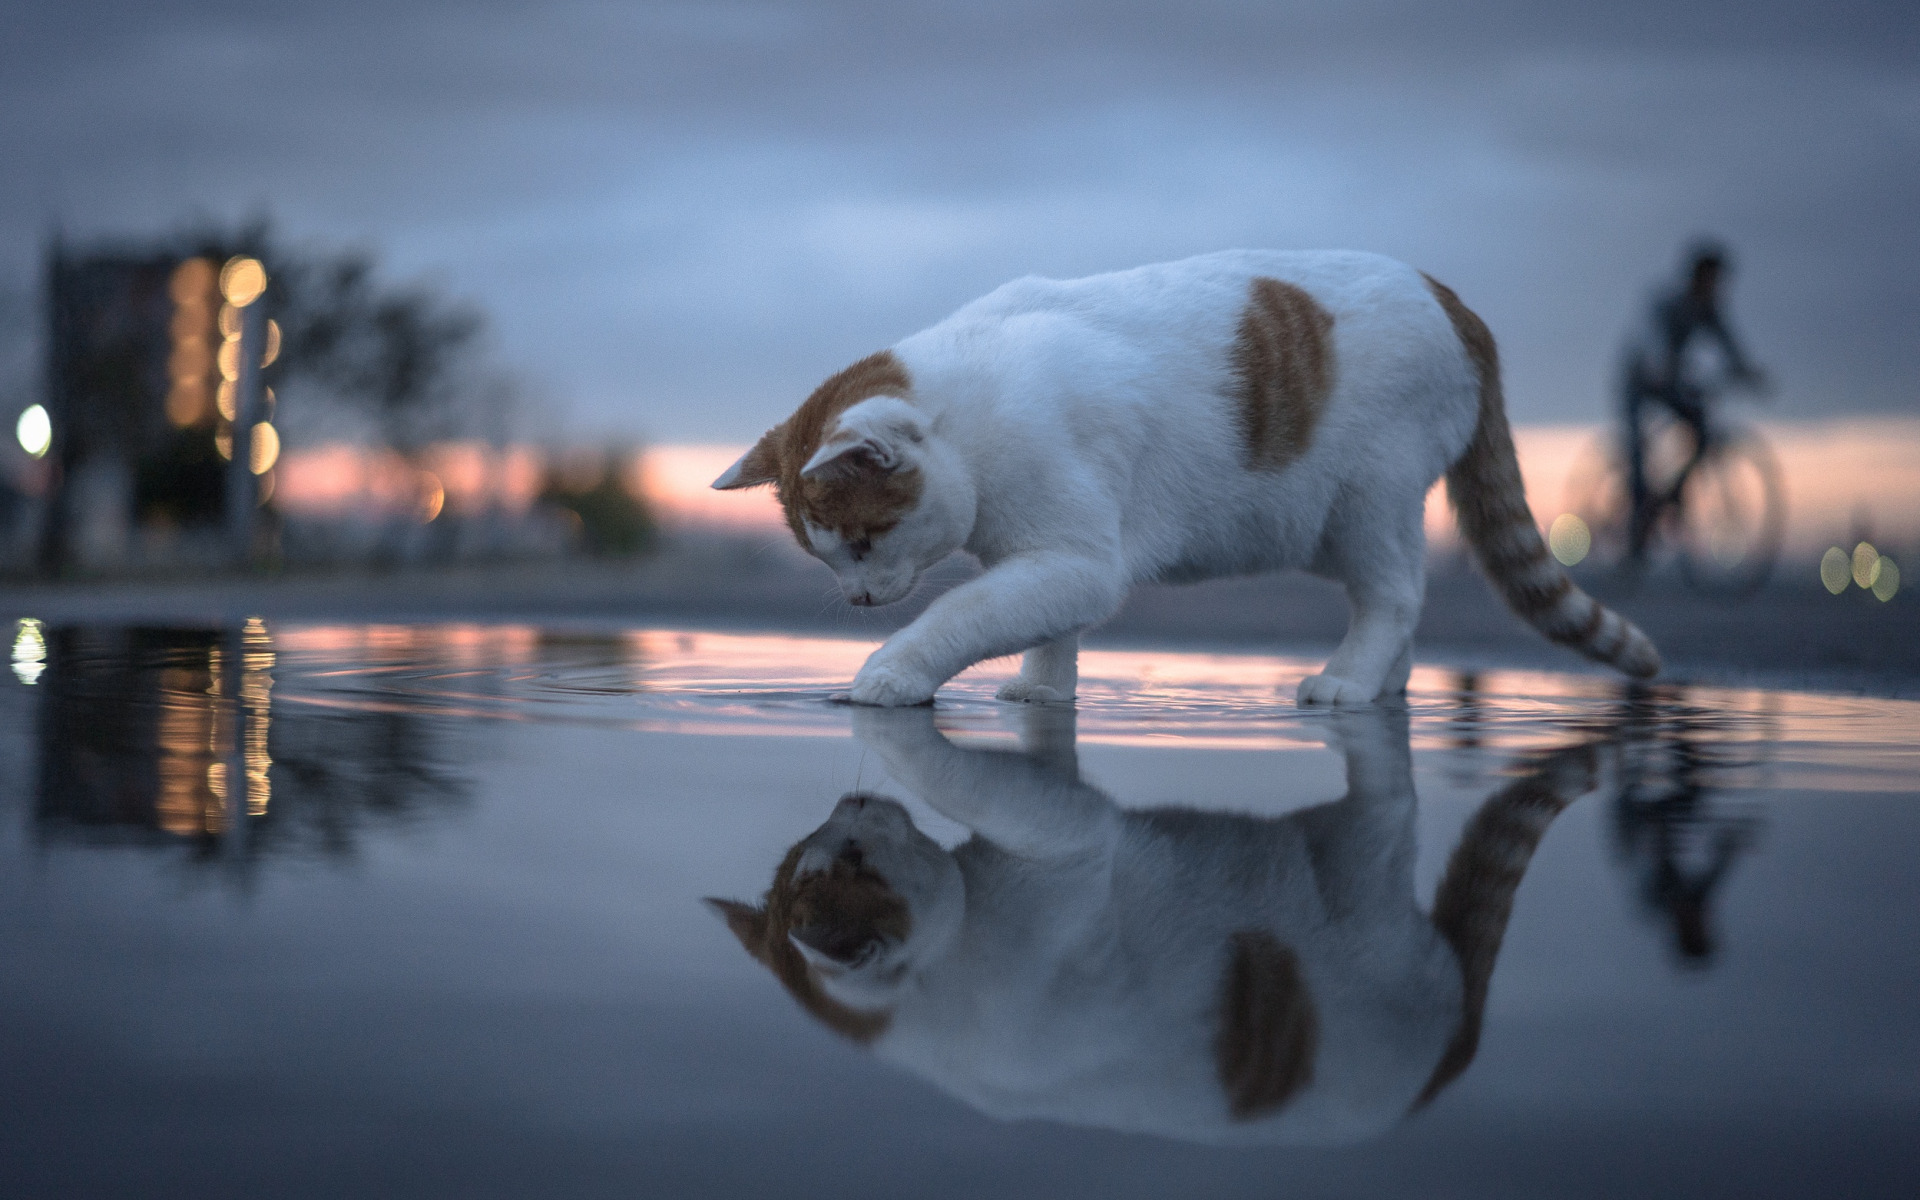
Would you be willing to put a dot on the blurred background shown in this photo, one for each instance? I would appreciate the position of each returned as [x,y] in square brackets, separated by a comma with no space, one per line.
[532,274]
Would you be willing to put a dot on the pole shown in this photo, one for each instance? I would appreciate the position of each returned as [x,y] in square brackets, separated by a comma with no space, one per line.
[243,489]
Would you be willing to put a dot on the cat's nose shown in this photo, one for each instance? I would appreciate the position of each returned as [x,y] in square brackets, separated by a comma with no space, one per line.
[863,599]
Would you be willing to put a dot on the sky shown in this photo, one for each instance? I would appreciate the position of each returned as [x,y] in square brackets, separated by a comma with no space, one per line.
[681,217]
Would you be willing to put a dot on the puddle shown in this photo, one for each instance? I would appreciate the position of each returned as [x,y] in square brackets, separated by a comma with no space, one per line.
[304,909]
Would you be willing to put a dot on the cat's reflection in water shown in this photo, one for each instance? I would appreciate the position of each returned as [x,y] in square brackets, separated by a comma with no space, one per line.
[1201,975]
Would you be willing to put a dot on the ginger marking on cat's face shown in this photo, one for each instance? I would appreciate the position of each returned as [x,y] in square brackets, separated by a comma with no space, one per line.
[1268,1028]
[853,907]
[1283,371]
[859,498]
[833,907]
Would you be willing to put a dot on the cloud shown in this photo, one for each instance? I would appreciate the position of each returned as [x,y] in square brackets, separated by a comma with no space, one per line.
[682,216]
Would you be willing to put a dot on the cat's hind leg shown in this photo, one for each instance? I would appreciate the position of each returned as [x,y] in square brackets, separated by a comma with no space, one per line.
[1386,581]
[1049,671]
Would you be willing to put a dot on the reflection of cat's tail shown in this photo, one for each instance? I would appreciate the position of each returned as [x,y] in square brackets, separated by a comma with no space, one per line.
[1490,502]
[1475,898]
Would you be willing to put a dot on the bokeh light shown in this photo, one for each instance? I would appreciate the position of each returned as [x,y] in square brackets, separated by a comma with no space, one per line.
[223,441]
[29,650]
[242,280]
[191,282]
[1866,564]
[266,448]
[230,322]
[433,496]
[1569,538]
[190,360]
[187,402]
[272,351]
[228,400]
[1836,570]
[34,430]
[1887,583]
[229,359]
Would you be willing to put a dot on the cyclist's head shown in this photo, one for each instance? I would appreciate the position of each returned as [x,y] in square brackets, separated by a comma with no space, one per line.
[1706,264]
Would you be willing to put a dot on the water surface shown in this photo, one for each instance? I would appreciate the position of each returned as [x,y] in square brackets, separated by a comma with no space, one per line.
[298,910]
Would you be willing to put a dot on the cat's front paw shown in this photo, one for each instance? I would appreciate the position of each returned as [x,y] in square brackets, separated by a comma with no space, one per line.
[891,687]
[1025,691]
[1331,689]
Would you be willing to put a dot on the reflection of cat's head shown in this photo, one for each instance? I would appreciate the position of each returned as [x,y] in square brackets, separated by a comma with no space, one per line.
[854,907]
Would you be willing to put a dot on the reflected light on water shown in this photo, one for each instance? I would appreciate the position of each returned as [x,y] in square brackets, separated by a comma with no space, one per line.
[256,700]
[29,651]
[768,684]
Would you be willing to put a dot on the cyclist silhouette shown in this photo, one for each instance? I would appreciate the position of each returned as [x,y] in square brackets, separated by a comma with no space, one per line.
[1663,367]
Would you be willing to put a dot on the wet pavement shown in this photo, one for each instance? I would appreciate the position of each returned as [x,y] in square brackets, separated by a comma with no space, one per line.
[308,909]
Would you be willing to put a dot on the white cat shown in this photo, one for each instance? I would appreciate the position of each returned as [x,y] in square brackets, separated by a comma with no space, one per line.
[1228,414]
[1200,975]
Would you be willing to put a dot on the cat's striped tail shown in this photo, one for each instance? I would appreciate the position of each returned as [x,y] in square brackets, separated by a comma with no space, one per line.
[1475,898]
[1490,503]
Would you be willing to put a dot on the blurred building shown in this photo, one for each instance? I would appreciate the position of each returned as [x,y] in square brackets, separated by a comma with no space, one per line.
[139,389]
[143,381]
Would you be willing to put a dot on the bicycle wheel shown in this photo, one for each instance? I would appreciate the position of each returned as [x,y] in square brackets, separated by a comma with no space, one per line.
[1597,492]
[1731,517]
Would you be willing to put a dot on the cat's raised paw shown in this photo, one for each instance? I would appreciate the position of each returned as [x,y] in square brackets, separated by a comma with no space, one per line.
[1331,689]
[889,687]
[1027,692]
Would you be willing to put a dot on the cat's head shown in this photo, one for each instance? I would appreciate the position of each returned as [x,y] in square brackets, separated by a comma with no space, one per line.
[855,908]
[868,486]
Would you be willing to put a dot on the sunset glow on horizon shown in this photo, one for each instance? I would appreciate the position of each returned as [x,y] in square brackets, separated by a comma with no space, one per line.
[1839,474]
[1845,480]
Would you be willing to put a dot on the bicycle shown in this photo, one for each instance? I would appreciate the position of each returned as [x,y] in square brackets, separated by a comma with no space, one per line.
[1716,507]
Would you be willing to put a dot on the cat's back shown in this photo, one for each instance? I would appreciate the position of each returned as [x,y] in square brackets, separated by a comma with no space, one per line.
[1208,292]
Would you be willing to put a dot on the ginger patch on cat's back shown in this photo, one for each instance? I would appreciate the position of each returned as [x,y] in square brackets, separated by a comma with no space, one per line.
[1282,371]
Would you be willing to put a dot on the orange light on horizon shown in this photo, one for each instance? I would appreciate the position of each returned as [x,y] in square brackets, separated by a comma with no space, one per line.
[679,488]
[335,478]
[1834,472]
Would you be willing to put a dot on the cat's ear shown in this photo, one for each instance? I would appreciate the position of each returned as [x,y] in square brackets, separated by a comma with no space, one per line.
[747,922]
[757,466]
[876,434]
